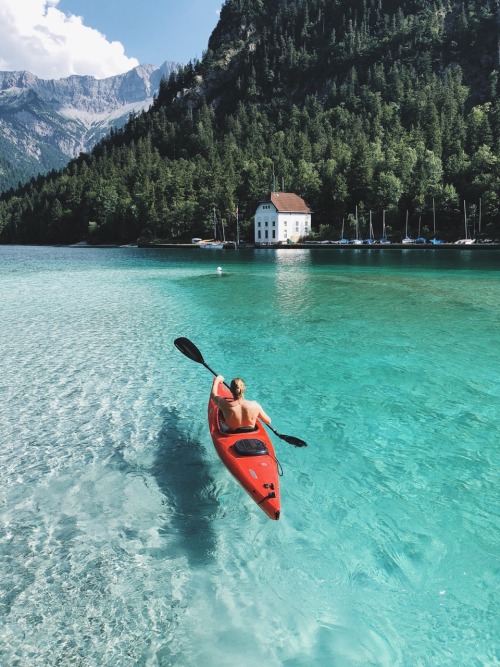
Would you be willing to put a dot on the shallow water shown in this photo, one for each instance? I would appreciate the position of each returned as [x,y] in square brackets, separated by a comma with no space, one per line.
[124,541]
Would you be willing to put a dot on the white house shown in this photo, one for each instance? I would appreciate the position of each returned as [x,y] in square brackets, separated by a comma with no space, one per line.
[283,217]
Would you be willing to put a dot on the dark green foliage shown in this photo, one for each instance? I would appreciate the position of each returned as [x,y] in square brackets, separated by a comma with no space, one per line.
[374,104]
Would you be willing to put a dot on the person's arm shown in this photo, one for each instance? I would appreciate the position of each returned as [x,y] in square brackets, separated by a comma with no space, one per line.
[263,416]
[215,386]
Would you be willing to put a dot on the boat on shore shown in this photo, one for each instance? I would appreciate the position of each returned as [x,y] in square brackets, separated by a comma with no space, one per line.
[371,235]
[357,240]
[249,456]
[211,245]
[383,239]
[467,240]
[407,239]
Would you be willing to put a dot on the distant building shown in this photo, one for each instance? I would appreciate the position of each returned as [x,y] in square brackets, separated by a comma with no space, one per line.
[283,217]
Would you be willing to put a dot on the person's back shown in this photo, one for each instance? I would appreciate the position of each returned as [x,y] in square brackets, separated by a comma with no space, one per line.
[238,412]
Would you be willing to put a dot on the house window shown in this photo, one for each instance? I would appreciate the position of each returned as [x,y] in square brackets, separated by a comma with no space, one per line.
[259,223]
[285,223]
[258,235]
[274,233]
[267,234]
[267,223]
[285,236]
[296,226]
[274,223]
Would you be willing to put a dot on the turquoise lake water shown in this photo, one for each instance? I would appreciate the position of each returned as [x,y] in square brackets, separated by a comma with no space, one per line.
[123,539]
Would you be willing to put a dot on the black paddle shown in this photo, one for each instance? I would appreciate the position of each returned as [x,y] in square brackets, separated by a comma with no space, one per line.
[190,350]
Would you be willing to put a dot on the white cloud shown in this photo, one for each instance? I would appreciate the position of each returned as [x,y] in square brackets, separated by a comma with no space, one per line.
[37,37]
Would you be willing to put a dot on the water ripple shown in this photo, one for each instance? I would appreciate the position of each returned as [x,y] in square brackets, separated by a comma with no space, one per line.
[124,541]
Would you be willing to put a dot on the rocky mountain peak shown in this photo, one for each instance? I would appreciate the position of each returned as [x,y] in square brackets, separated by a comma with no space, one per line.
[46,122]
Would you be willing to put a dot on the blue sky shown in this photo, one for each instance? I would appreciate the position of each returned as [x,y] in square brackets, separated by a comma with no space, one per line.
[57,38]
[151,30]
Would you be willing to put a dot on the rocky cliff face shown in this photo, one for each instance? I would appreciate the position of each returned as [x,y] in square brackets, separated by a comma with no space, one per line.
[45,123]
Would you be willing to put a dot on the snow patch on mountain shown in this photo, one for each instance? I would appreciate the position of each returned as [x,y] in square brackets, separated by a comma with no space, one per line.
[89,118]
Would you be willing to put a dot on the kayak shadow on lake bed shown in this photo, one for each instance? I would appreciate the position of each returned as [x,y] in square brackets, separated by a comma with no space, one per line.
[183,476]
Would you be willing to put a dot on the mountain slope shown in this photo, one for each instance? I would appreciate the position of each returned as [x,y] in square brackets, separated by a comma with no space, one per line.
[45,123]
[367,105]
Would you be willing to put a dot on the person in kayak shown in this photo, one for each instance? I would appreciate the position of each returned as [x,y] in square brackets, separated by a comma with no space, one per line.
[238,412]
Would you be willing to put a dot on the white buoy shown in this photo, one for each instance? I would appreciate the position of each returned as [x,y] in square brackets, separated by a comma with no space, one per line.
[219,269]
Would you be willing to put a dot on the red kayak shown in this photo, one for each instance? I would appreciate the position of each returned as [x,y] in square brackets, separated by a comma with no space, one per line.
[249,456]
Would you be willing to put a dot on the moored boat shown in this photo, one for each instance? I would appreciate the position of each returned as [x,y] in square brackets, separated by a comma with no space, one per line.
[467,240]
[211,245]
[249,456]
[407,239]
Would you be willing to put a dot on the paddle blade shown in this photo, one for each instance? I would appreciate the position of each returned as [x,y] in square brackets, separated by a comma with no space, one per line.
[292,440]
[189,349]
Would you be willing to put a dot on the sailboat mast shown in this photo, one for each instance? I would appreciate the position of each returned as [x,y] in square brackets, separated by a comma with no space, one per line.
[237,227]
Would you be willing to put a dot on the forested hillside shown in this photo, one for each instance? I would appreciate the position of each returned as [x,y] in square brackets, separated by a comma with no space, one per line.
[374,104]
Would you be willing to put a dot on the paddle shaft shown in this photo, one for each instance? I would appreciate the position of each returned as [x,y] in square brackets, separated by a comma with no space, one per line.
[190,350]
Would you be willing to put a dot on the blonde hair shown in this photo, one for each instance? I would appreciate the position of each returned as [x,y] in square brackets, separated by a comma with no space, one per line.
[237,388]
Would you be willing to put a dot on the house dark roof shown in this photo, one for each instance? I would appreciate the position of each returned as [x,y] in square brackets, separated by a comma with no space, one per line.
[287,202]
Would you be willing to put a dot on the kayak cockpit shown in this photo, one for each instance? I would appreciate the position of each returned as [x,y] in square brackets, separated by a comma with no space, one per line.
[250,447]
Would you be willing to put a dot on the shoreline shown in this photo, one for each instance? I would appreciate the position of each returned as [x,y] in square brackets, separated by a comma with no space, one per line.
[337,246]
[296,246]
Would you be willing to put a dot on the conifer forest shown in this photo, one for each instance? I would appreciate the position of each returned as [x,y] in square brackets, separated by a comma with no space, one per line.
[379,107]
